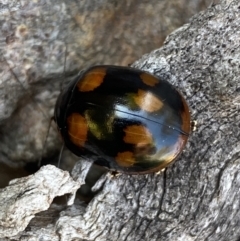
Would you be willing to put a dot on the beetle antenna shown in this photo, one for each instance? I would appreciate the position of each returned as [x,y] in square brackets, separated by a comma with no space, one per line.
[52,118]
[60,155]
[45,141]
[61,88]
[38,106]
[21,84]
[64,68]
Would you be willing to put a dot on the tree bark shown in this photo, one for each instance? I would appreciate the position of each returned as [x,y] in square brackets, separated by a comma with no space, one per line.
[43,44]
[197,197]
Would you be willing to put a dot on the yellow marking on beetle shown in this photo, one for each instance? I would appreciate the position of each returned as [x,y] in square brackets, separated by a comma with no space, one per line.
[149,79]
[100,129]
[125,159]
[147,101]
[94,128]
[77,129]
[92,79]
[137,135]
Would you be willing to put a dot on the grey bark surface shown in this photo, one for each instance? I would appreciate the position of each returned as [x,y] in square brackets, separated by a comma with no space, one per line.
[27,196]
[196,198]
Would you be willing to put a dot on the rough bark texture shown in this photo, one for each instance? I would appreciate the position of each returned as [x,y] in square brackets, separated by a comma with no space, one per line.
[197,198]
[27,196]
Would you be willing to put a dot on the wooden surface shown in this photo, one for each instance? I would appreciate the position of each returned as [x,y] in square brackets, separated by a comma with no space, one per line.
[197,198]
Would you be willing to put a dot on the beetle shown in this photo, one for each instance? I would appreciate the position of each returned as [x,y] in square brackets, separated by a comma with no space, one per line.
[124,119]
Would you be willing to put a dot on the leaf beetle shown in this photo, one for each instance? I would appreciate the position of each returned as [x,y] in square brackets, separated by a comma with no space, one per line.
[123,118]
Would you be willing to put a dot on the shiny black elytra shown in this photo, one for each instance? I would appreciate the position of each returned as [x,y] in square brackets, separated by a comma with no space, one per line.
[124,119]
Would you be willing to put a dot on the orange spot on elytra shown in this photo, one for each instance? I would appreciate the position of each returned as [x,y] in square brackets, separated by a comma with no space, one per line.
[92,79]
[147,101]
[77,129]
[149,79]
[137,135]
[125,159]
